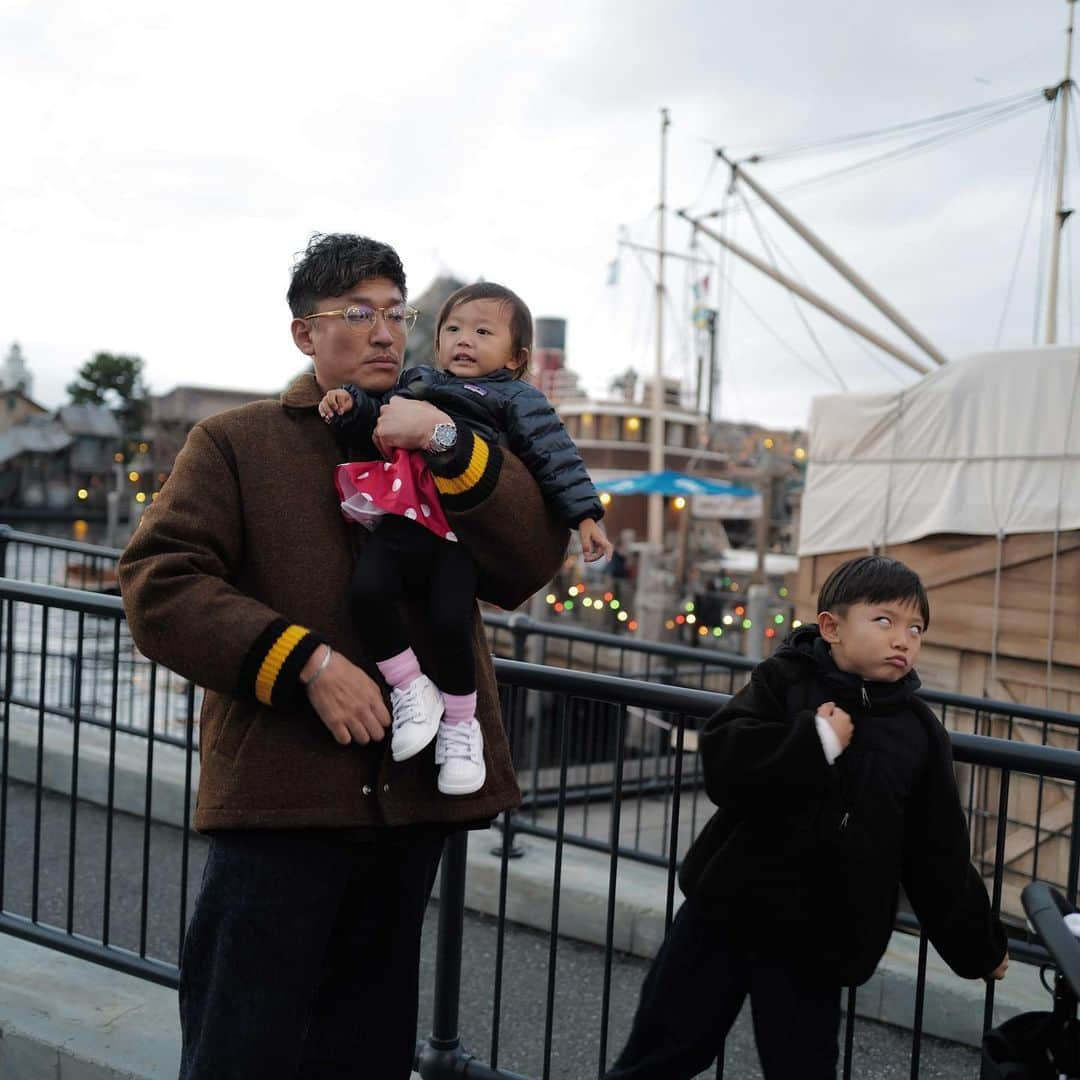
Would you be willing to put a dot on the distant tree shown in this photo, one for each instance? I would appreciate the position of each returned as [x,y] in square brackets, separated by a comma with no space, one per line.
[116,382]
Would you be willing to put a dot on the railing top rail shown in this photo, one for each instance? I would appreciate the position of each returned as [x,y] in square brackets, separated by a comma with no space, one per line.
[1051,761]
[91,603]
[58,543]
[1058,762]
[729,661]
[516,621]
[614,688]
[1005,708]
[79,600]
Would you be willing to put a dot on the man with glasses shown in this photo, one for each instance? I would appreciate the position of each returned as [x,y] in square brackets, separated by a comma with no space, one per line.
[302,955]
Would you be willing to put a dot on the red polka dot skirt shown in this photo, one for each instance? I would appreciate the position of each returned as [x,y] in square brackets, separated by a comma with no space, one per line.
[404,486]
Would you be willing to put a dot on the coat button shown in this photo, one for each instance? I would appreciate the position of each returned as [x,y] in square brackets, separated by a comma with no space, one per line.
[367,789]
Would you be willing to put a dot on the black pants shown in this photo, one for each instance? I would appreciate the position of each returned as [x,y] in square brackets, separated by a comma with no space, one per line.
[401,559]
[302,956]
[693,993]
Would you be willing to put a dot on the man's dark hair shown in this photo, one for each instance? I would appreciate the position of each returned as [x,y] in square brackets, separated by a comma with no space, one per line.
[873,579]
[521,322]
[332,263]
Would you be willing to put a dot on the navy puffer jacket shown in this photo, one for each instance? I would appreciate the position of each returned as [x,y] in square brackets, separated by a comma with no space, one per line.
[500,409]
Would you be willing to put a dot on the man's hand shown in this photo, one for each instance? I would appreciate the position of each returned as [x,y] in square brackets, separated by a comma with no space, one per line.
[406,423]
[999,971]
[593,541]
[347,700]
[335,403]
[839,721]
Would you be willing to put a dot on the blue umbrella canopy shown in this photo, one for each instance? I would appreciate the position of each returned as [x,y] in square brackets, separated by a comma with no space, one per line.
[670,482]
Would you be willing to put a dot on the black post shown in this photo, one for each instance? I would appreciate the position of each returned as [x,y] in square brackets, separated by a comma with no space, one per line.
[520,627]
[442,1055]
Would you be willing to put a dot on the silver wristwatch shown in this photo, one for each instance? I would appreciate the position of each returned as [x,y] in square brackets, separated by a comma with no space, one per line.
[443,438]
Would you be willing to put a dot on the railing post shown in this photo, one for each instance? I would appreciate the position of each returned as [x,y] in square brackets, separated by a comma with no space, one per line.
[5,536]
[507,836]
[441,1056]
[520,628]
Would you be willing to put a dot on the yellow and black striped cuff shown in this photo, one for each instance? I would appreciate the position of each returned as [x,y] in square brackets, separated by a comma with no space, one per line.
[469,473]
[271,669]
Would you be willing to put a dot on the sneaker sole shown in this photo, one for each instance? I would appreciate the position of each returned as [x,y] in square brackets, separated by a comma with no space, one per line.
[413,751]
[461,790]
[424,745]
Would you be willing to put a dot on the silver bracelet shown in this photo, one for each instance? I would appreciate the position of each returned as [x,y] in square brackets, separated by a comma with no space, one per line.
[320,669]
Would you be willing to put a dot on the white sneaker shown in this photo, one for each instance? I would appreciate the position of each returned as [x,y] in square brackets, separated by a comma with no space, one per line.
[459,753]
[417,710]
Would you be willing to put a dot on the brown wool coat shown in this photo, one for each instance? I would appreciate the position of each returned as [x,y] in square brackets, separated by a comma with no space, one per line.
[248,530]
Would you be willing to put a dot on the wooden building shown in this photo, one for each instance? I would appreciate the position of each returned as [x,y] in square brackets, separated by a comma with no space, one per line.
[972,478]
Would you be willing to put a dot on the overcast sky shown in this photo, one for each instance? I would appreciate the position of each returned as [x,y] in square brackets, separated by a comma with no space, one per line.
[164,162]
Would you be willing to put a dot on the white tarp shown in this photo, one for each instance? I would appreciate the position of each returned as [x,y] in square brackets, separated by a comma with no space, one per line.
[985,445]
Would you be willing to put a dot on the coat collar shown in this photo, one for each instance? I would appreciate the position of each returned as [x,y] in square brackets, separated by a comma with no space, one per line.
[302,393]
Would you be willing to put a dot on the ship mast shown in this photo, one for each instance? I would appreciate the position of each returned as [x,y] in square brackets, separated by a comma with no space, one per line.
[1061,215]
[656,443]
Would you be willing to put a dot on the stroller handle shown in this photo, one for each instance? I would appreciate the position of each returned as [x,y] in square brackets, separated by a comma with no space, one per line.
[1046,909]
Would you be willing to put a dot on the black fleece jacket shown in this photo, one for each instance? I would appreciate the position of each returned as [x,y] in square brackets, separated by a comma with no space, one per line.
[807,857]
[503,410]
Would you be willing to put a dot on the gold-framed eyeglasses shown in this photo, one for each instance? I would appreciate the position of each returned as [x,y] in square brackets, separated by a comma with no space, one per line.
[400,318]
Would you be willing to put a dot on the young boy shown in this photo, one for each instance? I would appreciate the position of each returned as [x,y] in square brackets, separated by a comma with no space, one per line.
[483,339]
[835,786]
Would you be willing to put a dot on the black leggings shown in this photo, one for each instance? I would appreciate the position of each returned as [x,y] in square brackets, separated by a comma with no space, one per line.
[402,559]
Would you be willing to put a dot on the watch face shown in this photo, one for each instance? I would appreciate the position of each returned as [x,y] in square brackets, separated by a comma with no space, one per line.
[445,436]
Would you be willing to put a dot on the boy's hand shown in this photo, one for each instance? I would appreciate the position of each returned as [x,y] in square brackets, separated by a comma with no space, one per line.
[335,403]
[838,720]
[999,971]
[593,541]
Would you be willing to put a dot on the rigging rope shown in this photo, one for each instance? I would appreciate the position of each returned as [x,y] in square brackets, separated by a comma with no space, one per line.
[1057,537]
[1043,162]
[782,152]
[909,149]
[794,302]
[1040,271]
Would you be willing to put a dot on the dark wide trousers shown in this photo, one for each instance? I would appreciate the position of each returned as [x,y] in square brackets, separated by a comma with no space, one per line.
[301,959]
[693,993]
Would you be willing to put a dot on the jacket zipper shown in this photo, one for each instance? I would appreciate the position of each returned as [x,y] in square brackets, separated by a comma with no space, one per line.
[858,787]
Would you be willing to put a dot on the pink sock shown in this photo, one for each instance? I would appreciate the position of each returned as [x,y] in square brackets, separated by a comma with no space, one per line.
[460,708]
[400,670]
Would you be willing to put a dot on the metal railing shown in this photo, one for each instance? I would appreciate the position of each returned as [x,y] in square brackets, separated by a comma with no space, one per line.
[85,800]
[1036,834]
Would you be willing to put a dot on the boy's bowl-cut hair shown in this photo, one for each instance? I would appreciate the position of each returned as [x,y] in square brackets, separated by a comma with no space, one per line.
[873,579]
[521,321]
[332,263]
